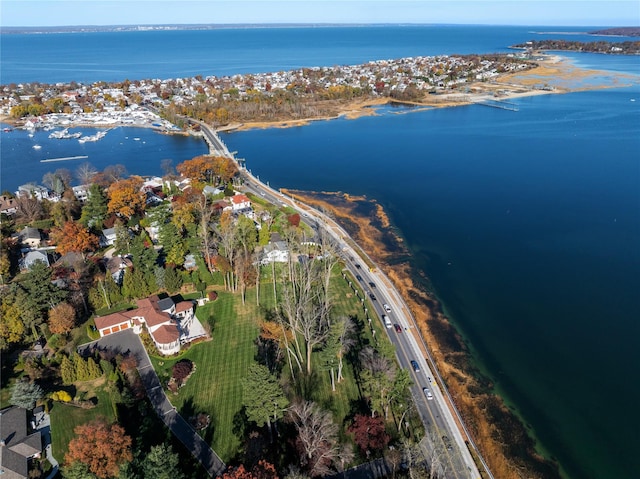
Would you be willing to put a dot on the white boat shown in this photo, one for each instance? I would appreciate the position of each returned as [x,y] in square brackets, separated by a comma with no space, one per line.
[96,137]
[36,147]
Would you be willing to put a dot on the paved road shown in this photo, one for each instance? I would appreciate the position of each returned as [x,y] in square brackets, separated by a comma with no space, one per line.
[128,342]
[443,434]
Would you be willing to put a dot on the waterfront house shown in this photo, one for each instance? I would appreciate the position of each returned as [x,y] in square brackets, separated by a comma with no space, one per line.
[168,324]
[8,206]
[240,202]
[17,445]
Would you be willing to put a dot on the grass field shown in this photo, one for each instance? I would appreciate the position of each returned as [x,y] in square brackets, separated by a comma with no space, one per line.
[65,418]
[215,387]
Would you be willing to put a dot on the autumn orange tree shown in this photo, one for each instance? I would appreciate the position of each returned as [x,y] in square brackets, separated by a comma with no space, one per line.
[262,470]
[102,447]
[73,237]
[125,197]
[206,169]
[62,318]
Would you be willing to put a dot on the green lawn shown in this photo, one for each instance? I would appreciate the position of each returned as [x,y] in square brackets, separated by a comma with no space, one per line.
[65,418]
[221,363]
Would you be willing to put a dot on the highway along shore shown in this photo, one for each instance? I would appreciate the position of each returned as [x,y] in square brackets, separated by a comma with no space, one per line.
[500,436]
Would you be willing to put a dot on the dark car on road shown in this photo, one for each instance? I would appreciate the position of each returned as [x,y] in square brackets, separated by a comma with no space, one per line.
[372,296]
[372,284]
[415,366]
[398,328]
[358,277]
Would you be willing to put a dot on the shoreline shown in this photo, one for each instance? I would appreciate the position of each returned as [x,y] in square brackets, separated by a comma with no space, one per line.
[554,75]
[495,428]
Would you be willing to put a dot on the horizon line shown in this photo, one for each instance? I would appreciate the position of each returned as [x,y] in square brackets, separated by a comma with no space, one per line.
[280,24]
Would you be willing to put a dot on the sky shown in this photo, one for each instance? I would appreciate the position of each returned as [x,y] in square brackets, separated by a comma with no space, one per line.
[157,12]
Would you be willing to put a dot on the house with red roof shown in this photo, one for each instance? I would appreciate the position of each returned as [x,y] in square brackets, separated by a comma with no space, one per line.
[240,202]
[168,324]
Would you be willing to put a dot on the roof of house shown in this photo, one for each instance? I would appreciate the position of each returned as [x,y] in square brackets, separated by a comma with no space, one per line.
[166,334]
[165,304]
[148,308]
[240,198]
[30,233]
[183,306]
[16,446]
[33,256]
[114,319]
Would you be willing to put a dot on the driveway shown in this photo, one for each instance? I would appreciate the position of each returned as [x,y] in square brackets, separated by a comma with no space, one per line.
[128,342]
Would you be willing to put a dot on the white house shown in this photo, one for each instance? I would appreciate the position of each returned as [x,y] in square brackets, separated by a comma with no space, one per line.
[275,252]
[240,202]
[108,237]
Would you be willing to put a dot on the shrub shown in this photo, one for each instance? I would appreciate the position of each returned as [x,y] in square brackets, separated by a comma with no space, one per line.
[181,370]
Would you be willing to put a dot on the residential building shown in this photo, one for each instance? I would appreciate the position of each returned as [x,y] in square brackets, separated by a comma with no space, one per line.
[168,324]
[17,445]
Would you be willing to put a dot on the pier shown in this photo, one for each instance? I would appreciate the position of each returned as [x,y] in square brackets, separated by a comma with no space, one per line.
[502,104]
[66,158]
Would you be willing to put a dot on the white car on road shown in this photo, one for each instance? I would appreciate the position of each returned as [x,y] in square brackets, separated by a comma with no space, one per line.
[386,307]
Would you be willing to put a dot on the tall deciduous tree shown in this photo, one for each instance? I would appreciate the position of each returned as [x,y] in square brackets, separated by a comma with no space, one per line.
[62,318]
[317,437]
[125,197]
[101,446]
[369,433]
[85,173]
[73,237]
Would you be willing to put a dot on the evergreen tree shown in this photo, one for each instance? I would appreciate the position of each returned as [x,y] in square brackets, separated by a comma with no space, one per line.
[162,463]
[25,394]
[159,273]
[94,211]
[67,371]
[93,369]
[42,294]
[80,367]
[262,396]
[134,284]
[172,280]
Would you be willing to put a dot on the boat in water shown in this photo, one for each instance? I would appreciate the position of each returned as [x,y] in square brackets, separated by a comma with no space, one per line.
[96,137]
[36,147]
[64,134]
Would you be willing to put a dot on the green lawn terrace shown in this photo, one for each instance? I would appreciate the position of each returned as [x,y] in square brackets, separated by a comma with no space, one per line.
[215,388]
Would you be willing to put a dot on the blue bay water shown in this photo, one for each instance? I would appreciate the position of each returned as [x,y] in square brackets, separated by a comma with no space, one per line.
[527,223]
[116,56]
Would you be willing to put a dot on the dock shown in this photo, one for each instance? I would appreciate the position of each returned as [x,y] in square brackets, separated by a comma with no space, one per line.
[502,104]
[66,158]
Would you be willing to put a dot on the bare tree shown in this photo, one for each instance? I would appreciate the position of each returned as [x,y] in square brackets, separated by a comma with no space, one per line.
[114,173]
[317,437]
[28,209]
[204,229]
[304,310]
[85,173]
